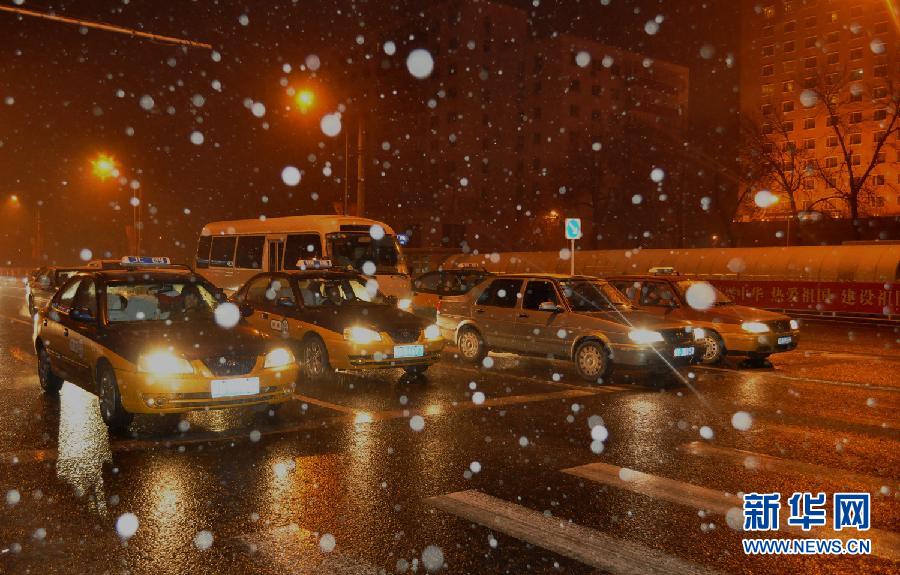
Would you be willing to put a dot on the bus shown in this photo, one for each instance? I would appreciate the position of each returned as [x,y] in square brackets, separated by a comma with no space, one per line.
[231,252]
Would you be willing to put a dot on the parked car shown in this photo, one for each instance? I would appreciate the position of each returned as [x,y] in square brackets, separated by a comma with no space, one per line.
[337,320]
[429,288]
[730,329]
[149,342]
[578,318]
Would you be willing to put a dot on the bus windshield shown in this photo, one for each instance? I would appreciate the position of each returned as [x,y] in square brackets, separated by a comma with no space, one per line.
[356,249]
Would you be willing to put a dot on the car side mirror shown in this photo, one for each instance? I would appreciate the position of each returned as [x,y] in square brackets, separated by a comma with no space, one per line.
[285,302]
[549,306]
[83,315]
[246,309]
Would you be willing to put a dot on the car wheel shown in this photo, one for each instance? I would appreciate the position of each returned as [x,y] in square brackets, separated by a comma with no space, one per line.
[111,409]
[50,382]
[592,361]
[715,349]
[471,345]
[315,359]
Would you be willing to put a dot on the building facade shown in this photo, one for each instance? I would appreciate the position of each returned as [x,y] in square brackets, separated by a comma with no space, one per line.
[819,77]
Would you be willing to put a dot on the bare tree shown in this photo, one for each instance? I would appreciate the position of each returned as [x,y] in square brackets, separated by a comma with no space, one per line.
[771,159]
[838,95]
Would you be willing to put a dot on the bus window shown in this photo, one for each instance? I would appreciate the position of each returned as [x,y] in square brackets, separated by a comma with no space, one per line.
[203,251]
[222,253]
[355,249]
[301,247]
[249,252]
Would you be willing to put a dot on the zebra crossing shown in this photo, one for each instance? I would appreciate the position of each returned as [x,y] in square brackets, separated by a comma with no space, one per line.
[623,556]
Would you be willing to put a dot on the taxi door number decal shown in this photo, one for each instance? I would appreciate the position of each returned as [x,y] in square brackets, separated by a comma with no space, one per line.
[77,346]
[281,325]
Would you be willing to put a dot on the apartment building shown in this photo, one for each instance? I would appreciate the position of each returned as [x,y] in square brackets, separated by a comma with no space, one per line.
[795,49]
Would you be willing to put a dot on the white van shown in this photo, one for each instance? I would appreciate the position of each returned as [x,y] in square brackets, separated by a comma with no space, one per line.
[229,253]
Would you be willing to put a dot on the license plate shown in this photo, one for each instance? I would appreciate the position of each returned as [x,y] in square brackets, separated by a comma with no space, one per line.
[402,351]
[784,340]
[684,351]
[234,387]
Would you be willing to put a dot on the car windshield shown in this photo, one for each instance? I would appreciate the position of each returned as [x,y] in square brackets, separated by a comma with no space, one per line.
[159,301]
[720,299]
[592,296]
[358,249]
[328,292]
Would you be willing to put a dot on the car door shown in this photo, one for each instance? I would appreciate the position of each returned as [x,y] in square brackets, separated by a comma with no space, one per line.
[495,313]
[54,331]
[80,327]
[254,294]
[426,294]
[658,297]
[280,304]
[538,331]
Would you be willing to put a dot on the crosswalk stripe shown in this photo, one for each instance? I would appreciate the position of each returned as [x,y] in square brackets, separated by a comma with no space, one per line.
[604,388]
[561,536]
[292,549]
[885,544]
[753,460]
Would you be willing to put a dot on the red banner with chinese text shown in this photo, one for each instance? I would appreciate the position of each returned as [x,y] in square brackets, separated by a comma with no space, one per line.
[846,297]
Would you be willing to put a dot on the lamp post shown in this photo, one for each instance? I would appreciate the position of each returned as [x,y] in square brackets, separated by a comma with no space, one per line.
[105,167]
[304,101]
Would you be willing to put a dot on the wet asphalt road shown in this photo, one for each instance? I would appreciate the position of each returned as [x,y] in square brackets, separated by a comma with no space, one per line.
[341,482]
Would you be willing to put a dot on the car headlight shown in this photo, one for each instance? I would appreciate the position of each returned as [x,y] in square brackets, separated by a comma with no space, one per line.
[432,332]
[361,335]
[699,333]
[754,327]
[404,303]
[795,324]
[644,336]
[279,357]
[164,363]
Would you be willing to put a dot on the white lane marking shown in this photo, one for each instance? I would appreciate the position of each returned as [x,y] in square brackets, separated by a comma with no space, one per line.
[752,460]
[885,544]
[561,536]
[326,404]
[292,549]
[770,374]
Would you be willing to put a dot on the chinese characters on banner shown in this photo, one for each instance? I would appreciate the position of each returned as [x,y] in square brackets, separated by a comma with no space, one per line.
[855,297]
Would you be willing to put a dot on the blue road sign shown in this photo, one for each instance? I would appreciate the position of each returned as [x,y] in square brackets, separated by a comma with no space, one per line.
[573,228]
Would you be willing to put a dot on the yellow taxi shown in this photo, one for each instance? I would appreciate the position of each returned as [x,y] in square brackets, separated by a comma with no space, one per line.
[338,320]
[157,341]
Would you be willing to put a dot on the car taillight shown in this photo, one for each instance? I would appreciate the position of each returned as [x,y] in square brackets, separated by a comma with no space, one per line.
[437,306]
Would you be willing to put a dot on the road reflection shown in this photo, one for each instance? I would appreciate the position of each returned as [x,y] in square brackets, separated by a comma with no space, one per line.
[83,445]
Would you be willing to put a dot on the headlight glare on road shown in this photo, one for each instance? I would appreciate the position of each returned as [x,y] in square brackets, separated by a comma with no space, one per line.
[795,324]
[699,333]
[279,357]
[404,303]
[754,327]
[361,335]
[164,362]
[644,336]
[432,332]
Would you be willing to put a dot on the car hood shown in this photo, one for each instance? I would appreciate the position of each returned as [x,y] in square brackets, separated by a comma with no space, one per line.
[634,317]
[373,316]
[193,340]
[739,314]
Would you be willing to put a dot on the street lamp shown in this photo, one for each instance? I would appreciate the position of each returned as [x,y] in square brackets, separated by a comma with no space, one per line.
[105,167]
[304,99]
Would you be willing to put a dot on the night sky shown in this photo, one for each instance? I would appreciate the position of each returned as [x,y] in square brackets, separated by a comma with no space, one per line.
[68,93]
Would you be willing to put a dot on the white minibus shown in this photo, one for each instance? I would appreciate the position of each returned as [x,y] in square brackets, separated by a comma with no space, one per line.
[231,252]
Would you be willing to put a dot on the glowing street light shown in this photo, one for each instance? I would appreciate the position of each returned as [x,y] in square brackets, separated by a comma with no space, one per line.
[104,167]
[304,100]
[14,199]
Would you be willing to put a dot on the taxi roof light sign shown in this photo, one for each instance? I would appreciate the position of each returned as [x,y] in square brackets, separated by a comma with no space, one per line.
[573,228]
[146,261]
[313,264]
